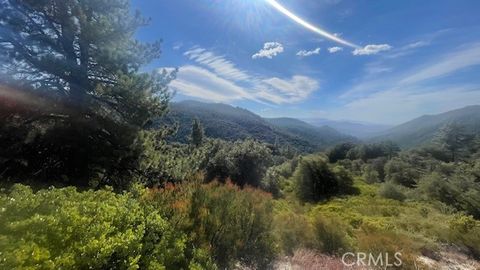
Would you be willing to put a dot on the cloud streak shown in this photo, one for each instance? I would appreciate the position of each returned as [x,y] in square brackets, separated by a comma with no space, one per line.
[305,53]
[215,78]
[397,98]
[371,49]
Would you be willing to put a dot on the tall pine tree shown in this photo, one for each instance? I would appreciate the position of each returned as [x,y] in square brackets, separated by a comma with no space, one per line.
[82,59]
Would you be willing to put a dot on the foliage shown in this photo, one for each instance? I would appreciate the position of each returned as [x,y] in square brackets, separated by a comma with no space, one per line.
[244,162]
[315,180]
[233,224]
[80,64]
[458,190]
[400,172]
[64,228]
[370,174]
[391,191]
[339,152]
[189,226]
[197,133]
[453,139]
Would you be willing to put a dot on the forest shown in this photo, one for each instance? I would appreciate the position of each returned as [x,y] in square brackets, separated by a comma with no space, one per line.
[91,179]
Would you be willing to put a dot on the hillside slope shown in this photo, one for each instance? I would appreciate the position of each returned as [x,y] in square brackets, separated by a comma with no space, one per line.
[422,130]
[234,123]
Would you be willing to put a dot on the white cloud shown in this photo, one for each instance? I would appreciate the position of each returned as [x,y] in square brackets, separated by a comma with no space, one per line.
[177,46]
[201,83]
[218,64]
[305,53]
[407,49]
[270,49]
[295,89]
[460,59]
[372,49]
[394,106]
[210,81]
[335,49]
[415,91]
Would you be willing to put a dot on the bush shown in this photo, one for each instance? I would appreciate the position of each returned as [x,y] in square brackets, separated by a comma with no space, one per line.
[400,172]
[330,235]
[390,191]
[316,181]
[370,174]
[64,228]
[233,224]
[244,162]
[188,226]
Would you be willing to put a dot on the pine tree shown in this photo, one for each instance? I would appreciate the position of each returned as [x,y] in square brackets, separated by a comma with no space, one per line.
[453,139]
[82,58]
[197,133]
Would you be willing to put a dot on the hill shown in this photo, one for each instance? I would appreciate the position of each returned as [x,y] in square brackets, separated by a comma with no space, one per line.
[362,130]
[323,135]
[422,129]
[234,123]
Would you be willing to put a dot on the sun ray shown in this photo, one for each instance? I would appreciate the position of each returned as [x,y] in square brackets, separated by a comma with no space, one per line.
[308,25]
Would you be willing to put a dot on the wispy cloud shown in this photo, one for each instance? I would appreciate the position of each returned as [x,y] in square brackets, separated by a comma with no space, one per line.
[295,89]
[270,49]
[407,49]
[218,64]
[305,53]
[201,83]
[372,49]
[460,59]
[335,49]
[414,91]
[394,107]
[217,79]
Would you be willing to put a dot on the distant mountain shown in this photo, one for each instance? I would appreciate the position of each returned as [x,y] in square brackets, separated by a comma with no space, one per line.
[422,130]
[360,130]
[233,123]
[323,135]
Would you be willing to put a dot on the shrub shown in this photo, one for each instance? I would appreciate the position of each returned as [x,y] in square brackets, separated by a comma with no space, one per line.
[370,174]
[400,172]
[339,152]
[316,181]
[330,235]
[233,224]
[244,162]
[391,191]
[64,228]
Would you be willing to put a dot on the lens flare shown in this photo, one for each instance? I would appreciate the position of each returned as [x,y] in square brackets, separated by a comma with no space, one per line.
[308,25]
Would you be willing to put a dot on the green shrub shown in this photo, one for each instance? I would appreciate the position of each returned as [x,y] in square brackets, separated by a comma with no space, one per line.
[67,229]
[233,224]
[370,174]
[391,191]
[401,172]
[244,162]
[315,180]
[330,235]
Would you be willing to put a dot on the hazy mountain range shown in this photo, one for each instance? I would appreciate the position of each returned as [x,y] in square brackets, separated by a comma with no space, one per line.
[233,123]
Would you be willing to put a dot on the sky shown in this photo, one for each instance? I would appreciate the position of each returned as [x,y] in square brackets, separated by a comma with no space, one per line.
[382,62]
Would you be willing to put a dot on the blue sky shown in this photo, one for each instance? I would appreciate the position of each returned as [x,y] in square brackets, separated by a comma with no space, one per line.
[377,61]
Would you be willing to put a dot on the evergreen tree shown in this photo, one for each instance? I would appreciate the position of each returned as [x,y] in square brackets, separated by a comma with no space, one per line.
[452,139]
[197,133]
[81,60]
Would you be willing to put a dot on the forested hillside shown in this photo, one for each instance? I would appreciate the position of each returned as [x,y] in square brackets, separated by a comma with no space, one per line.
[232,123]
[422,130]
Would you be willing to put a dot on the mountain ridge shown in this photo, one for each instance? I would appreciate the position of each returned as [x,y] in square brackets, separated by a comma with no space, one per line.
[232,123]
